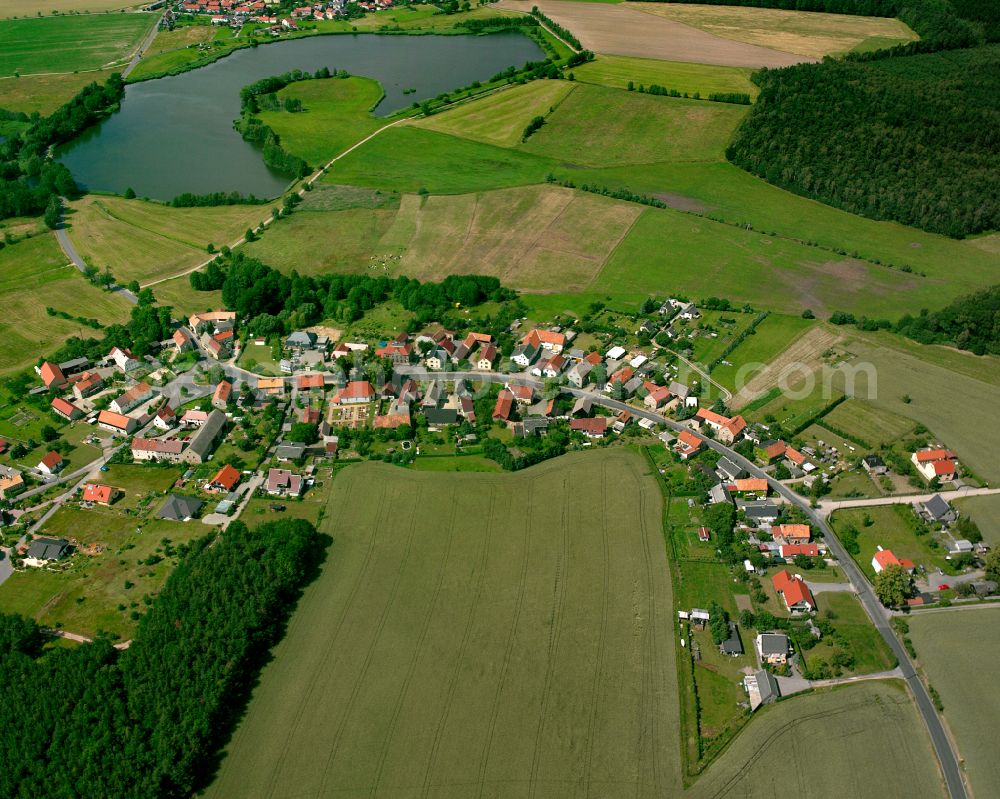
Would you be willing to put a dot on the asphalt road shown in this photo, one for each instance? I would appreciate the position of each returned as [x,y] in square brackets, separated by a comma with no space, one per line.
[67,247]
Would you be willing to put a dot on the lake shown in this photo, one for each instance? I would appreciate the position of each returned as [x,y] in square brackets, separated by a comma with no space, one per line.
[175,134]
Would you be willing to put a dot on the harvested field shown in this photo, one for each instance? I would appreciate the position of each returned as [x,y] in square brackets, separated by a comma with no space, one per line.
[539,238]
[622,30]
[804,33]
[862,740]
[953,649]
[800,358]
[529,654]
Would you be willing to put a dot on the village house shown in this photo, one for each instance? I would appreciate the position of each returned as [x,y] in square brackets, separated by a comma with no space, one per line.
[65,409]
[792,533]
[356,392]
[100,494]
[212,320]
[315,382]
[201,444]
[656,396]
[577,375]
[750,487]
[133,398]
[504,405]
[283,483]
[687,444]
[762,688]
[221,395]
[45,549]
[437,358]
[486,357]
[179,508]
[117,423]
[397,415]
[789,552]
[884,558]
[52,376]
[594,427]
[937,509]
[182,340]
[935,463]
[546,339]
[772,648]
[123,359]
[225,480]
[399,352]
[88,385]
[271,386]
[525,355]
[798,598]
[51,463]
[874,465]
[165,418]
[727,430]
[194,418]
[11,483]
[523,395]
[157,449]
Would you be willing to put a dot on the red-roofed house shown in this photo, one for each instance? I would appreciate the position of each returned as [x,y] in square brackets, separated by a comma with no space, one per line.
[116,422]
[52,375]
[226,479]
[751,485]
[486,357]
[309,382]
[595,427]
[885,558]
[704,535]
[65,409]
[396,351]
[157,449]
[935,463]
[546,339]
[88,384]
[355,393]
[792,533]
[182,340]
[774,450]
[788,551]
[727,430]
[505,402]
[223,392]
[165,417]
[52,463]
[522,394]
[687,444]
[99,494]
[798,598]
[656,396]
[281,482]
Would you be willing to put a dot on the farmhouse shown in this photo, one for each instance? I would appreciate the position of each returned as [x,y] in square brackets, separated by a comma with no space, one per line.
[214,320]
[52,375]
[935,463]
[751,486]
[728,469]
[134,397]
[687,444]
[203,441]
[65,409]
[99,494]
[271,386]
[546,339]
[791,551]
[656,396]
[772,648]
[117,423]
[726,429]
[88,384]
[51,463]
[157,449]
[123,359]
[885,558]
[194,418]
[798,598]
[310,382]
[182,340]
[281,482]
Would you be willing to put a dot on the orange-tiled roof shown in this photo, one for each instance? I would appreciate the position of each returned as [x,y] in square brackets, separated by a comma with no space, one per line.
[227,477]
[64,406]
[799,532]
[934,455]
[775,450]
[751,484]
[310,381]
[356,389]
[52,375]
[792,588]
[222,392]
[93,492]
[505,401]
[51,459]
[113,419]
[689,439]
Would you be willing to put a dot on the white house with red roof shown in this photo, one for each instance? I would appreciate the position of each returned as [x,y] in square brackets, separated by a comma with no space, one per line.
[99,494]
[726,429]
[792,588]
[355,392]
[936,463]
[51,463]
[124,359]
[66,409]
[885,558]
[687,444]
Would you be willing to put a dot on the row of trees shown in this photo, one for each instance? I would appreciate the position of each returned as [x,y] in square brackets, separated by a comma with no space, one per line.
[910,139]
[148,722]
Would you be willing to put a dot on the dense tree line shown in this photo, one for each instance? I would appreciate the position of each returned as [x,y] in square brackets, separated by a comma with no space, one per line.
[272,302]
[189,200]
[912,139]
[147,722]
[970,323]
[480,24]
[559,30]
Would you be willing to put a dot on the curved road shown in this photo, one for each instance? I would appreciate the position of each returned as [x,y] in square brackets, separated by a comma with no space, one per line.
[879,615]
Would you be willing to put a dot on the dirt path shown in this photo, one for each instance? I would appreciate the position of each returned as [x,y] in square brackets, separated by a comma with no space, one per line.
[617,30]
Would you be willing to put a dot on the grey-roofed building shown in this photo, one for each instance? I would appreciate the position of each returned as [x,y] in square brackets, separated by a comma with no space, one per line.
[728,470]
[46,549]
[439,417]
[939,510]
[205,438]
[718,493]
[985,587]
[874,464]
[582,405]
[531,427]
[732,646]
[679,390]
[760,511]
[73,366]
[179,508]
[772,648]
[633,385]
[577,376]
[762,688]
[290,452]
[301,340]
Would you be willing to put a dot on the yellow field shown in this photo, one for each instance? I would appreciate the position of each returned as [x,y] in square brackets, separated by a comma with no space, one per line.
[805,33]
[147,241]
[562,238]
[32,8]
[502,117]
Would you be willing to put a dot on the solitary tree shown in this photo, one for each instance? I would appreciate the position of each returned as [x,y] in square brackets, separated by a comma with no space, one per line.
[892,586]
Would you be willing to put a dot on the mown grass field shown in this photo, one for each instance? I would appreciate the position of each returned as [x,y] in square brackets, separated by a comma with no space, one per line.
[767,341]
[34,274]
[873,424]
[180,37]
[45,93]
[890,529]
[148,241]
[178,294]
[32,8]
[954,649]
[335,115]
[616,71]
[985,512]
[804,33]
[855,634]
[69,43]
[434,656]
[860,740]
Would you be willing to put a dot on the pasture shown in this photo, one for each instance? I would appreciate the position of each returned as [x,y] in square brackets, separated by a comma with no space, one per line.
[851,741]
[335,115]
[616,72]
[35,275]
[70,43]
[623,30]
[148,241]
[804,33]
[953,650]
[442,658]
[539,238]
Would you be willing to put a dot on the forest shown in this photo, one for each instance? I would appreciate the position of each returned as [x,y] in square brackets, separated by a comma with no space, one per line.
[970,323]
[29,179]
[911,139]
[149,721]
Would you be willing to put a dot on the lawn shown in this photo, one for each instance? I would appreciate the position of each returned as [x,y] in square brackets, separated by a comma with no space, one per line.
[854,633]
[34,274]
[138,480]
[529,649]
[407,158]
[180,37]
[768,340]
[595,126]
[178,294]
[869,422]
[616,72]
[871,735]
[70,43]
[455,463]
[537,238]
[500,118]
[148,241]
[891,530]
[954,650]
[805,33]
[259,356]
[985,512]
[335,115]
[319,242]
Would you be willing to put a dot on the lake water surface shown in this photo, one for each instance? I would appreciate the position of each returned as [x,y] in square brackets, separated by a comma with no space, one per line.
[175,134]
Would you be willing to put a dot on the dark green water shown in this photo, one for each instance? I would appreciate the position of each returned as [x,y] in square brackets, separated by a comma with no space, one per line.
[175,134]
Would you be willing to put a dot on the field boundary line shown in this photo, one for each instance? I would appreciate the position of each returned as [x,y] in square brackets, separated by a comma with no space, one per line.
[611,253]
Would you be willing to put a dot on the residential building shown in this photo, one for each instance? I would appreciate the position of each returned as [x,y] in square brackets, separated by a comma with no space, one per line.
[203,442]
[398,352]
[732,646]
[51,463]
[66,409]
[792,533]
[157,449]
[99,494]
[194,418]
[504,405]
[133,398]
[212,319]
[884,558]
[116,422]
[594,427]
[798,598]
[762,688]
[656,396]
[165,417]
[11,484]
[772,648]
[577,375]
[310,382]
[525,355]
[223,391]
[937,509]
[52,376]
[486,357]
[179,508]
[546,339]
[523,395]
[728,469]
[726,429]
[873,464]
[271,386]
[45,549]
[124,359]
[182,340]
[751,486]
[88,384]
[791,551]
[687,444]
[283,483]
[935,463]
[290,452]
[438,418]
[226,479]
[356,392]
